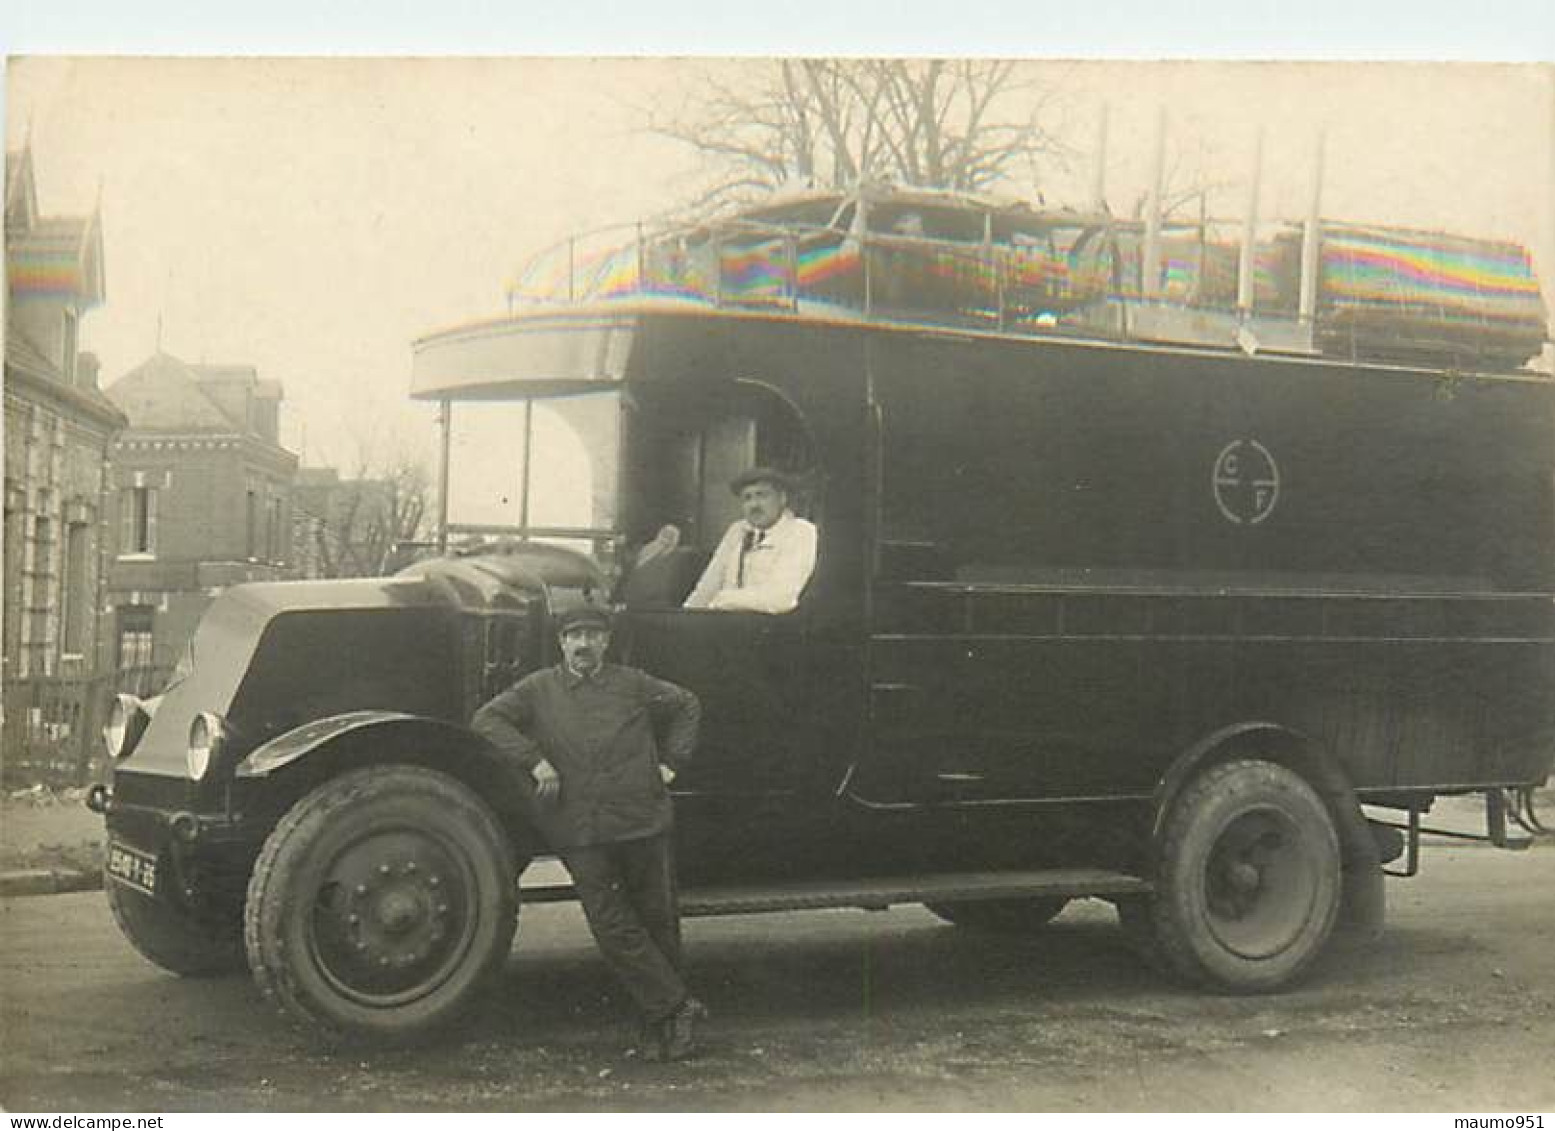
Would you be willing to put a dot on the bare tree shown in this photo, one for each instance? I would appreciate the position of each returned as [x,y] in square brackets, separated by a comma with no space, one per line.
[360,526]
[966,124]
[1186,184]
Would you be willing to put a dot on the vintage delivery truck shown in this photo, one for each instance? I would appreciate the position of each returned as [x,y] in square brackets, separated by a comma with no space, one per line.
[1096,613]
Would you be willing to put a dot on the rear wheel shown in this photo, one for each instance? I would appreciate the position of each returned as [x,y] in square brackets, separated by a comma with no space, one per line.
[382,904]
[1006,916]
[1248,885]
[179,943]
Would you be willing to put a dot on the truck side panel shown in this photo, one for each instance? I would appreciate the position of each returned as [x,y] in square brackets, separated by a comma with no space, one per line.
[1091,559]
[1007,718]
[1011,462]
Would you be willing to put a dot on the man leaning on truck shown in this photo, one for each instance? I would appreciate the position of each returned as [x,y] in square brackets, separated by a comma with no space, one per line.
[765,558]
[585,731]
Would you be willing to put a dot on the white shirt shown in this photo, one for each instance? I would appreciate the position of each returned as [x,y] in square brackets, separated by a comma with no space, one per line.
[758,571]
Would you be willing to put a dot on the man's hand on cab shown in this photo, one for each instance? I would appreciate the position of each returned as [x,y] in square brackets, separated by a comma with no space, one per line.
[548,783]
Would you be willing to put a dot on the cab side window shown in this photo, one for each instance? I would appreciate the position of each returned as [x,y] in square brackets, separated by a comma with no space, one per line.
[687,451]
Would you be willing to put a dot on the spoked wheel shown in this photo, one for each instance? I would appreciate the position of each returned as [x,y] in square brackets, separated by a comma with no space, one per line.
[1248,886]
[381,904]
[1005,916]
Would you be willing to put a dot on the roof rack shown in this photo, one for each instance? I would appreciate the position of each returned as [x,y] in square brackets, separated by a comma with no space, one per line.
[1363,292]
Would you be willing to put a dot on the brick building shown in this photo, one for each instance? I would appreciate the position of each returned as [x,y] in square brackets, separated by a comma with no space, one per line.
[59,431]
[202,498]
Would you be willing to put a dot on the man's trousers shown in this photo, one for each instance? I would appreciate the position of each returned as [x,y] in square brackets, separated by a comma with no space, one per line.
[629,898]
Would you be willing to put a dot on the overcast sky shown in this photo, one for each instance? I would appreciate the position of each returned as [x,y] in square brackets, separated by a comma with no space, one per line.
[312,217]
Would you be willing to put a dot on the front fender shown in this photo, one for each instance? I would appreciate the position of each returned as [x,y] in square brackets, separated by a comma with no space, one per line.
[287,748]
[395,736]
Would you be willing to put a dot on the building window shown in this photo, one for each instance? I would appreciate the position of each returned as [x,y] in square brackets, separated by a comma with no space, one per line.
[40,641]
[137,521]
[15,523]
[251,540]
[134,641]
[274,547]
[69,348]
[75,602]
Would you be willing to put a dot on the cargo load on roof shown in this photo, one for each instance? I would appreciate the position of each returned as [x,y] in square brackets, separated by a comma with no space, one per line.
[1381,293]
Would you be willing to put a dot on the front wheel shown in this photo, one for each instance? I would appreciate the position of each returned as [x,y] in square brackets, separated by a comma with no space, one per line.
[1004,916]
[1248,881]
[382,903]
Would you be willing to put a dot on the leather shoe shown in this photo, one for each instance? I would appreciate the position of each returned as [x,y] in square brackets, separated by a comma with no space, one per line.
[681,1029]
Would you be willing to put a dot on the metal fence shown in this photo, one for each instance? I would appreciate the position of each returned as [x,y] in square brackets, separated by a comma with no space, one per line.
[52,729]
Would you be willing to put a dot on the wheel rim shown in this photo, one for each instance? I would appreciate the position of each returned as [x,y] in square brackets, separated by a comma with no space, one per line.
[1261,882]
[394,916]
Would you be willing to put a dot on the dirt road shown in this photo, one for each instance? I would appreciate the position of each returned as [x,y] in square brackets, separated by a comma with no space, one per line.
[1454,1010]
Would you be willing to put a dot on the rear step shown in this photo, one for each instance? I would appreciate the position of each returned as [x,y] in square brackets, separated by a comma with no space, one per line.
[881,892]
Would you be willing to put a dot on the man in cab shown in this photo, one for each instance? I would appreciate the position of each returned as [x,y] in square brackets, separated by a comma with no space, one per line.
[766,557]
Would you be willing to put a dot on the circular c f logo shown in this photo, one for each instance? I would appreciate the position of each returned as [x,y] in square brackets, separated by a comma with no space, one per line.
[1246,482]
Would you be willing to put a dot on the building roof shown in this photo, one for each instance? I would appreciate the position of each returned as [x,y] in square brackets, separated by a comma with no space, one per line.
[27,366]
[245,374]
[49,257]
[20,353]
[21,195]
[163,394]
[224,376]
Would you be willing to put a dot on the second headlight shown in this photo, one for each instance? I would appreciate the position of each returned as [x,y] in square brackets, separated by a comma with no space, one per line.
[206,734]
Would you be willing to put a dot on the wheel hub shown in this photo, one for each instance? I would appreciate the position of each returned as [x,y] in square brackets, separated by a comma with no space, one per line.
[392,917]
[1244,877]
[402,915]
[399,912]
[1260,886]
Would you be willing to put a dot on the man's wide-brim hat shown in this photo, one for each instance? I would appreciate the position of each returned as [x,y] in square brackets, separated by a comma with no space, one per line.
[782,480]
[583,616]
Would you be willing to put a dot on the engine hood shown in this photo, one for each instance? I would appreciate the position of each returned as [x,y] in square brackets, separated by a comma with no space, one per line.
[509,574]
[229,634]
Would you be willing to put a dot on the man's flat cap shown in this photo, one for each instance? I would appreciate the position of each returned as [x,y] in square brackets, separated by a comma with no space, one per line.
[780,479]
[583,616]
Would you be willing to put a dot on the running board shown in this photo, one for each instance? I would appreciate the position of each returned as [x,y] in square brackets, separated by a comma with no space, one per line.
[879,893]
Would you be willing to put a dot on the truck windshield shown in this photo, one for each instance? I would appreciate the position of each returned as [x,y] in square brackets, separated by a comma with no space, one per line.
[539,468]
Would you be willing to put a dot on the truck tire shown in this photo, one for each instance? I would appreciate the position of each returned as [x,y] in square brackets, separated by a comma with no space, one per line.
[1248,883]
[180,944]
[1004,916]
[381,905]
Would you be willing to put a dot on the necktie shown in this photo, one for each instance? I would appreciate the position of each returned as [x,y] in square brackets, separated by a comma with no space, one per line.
[750,542]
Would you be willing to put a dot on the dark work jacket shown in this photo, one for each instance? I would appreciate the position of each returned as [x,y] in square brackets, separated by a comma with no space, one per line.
[606,735]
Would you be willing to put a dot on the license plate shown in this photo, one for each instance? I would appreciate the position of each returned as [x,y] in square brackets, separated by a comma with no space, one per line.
[133,868]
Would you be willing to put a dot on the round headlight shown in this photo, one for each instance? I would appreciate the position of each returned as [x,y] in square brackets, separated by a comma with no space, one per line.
[206,734]
[127,720]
